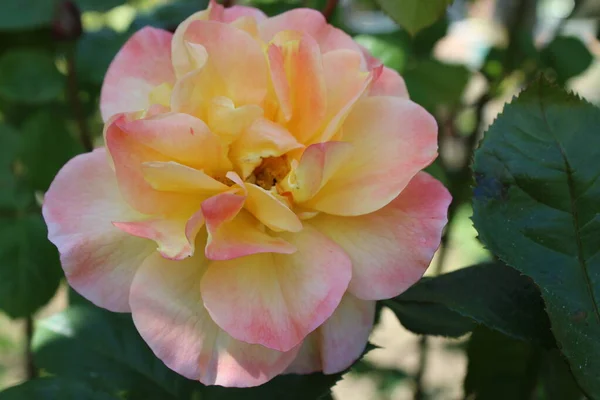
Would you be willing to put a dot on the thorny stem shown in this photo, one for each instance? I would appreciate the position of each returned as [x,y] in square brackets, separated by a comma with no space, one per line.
[75,102]
[329,9]
[30,370]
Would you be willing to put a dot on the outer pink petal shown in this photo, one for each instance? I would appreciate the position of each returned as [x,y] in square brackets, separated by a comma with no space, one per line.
[389,83]
[340,341]
[234,232]
[129,156]
[167,310]
[99,260]
[143,63]
[311,22]
[393,139]
[391,248]
[233,13]
[278,299]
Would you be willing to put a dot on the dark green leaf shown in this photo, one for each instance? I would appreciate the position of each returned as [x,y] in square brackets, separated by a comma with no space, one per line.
[425,318]
[500,368]
[432,83]
[424,41]
[98,5]
[567,56]
[25,14]
[95,51]
[556,380]
[54,389]
[414,15]
[168,16]
[47,146]
[29,76]
[95,345]
[391,55]
[491,294]
[537,207]
[29,267]
[10,142]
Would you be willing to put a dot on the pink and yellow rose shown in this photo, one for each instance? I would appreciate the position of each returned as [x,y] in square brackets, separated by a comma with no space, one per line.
[259,190]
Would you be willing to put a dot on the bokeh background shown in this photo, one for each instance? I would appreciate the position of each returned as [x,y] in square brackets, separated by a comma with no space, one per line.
[463,68]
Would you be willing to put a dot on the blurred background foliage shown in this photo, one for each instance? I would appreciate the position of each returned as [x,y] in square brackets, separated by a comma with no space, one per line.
[461,60]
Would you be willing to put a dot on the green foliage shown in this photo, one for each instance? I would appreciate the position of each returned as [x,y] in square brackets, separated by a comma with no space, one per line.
[29,76]
[54,389]
[29,267]
[432,83]
[500,368]
[536,207]
[95,51]
[567,56]
[506,301]
[414,15]
[90,344]
[25,14]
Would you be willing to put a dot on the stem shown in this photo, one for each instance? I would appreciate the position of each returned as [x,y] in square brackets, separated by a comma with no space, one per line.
[228,3]
[30,369]
[75,102]
[329,9]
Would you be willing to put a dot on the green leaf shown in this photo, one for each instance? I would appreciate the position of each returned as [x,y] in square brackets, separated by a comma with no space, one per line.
[567,56]
[506,301]
[29,266]
[536,206]
[390,54]
[95,51]
[54,388]
[47,146]
[556,380]
[500,368]
[10,143]
[414,15]
[98,5]
[168,16]
[431,83]
[91,344]
[29,76]
[425,318]
[25,14]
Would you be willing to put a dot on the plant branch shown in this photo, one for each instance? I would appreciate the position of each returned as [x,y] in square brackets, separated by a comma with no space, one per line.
[75,102]
[329,9]
[30,370]
[228,3]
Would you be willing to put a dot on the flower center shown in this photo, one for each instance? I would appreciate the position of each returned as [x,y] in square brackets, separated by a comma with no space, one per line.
[271,171]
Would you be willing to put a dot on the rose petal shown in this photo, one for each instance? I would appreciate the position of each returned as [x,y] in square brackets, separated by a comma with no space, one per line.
[278,299]
[167,310]
[141,65]
[175,237]
[389,83]
[318,164]
[235,233]
[391,248]
[393,139]
[261,140]
[174,177]
[98,259]
[227,48]
[128,156]
[340,341]
[311,22]
[271,210]
[298,79]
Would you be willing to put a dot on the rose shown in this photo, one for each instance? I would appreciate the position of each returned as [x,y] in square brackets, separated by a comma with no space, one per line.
[259,190]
